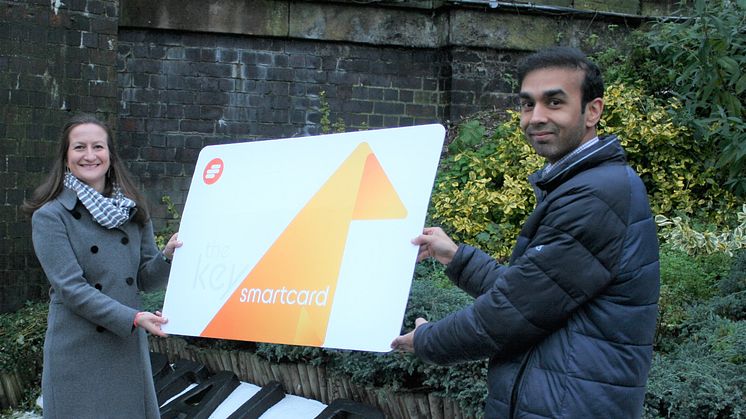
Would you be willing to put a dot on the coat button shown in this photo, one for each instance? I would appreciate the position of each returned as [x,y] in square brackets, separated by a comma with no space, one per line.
[130,280]
[76,215]
[98,287]
[100,329]
[94,249]
[125,240]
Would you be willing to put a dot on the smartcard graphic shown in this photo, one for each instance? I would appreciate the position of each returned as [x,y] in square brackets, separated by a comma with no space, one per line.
[303,241]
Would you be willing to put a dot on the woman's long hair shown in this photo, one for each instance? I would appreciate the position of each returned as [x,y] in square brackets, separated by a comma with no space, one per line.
[117,173]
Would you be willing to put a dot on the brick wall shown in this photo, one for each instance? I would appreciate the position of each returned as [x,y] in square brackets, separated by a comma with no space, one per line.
[183,91]
[53,60]
[172,76]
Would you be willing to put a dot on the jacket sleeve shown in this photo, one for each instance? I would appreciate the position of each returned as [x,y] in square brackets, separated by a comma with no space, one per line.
[57,258]
[473,271]
[153,273]
[570,259]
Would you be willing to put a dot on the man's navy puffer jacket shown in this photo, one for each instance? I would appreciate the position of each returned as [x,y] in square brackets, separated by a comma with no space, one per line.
[568,324]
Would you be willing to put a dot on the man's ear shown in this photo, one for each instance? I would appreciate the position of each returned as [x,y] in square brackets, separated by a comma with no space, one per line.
[593,110]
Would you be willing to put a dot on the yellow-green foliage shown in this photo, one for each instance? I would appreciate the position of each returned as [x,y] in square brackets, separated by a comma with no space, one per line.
[673,165]
[482,195]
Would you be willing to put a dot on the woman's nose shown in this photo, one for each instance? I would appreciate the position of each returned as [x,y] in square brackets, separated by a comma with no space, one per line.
[90,154]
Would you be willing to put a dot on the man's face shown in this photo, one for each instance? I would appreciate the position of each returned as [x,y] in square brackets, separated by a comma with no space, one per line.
[551,116]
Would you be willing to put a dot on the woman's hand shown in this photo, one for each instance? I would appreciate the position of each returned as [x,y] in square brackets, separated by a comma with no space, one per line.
[172,244]
[151,322]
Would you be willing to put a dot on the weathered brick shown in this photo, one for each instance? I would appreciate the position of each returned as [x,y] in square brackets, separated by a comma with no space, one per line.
[161,125]
[197,126]
[211,98]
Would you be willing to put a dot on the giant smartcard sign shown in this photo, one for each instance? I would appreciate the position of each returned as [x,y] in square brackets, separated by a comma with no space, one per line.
[303,241]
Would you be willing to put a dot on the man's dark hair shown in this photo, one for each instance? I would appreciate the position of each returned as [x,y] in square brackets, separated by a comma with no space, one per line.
[566,57]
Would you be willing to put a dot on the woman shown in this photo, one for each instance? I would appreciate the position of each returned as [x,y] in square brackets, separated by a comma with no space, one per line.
[94,239]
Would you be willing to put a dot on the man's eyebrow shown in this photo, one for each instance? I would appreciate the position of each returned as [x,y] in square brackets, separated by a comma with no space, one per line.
[548,93]
[554,92]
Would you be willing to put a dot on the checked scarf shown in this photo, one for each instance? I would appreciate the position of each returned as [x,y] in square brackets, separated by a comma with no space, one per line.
[108,212]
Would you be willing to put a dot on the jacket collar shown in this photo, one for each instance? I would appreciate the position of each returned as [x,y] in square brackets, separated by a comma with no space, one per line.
[607,149]
[68,198]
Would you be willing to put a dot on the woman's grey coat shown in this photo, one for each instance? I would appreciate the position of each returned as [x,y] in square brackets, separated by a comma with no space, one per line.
[96,365]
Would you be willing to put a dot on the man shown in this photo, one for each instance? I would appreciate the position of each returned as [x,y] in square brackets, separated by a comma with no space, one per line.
[568,323]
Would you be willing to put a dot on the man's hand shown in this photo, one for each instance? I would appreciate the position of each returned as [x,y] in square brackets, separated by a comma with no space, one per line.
[435,243]
[406,342]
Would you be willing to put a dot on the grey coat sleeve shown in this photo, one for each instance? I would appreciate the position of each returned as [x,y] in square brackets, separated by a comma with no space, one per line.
[153,272]
[57,258]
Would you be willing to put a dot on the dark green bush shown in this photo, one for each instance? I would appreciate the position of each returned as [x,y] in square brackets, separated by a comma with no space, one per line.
[22,347]
[736,281]
[703,376]
[731,302]
[153,301]
[22,337]
[433,300]
[685,280]
[700,61]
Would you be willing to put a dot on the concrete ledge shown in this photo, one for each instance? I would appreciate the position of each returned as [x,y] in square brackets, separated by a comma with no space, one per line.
[369,25]
[406,23]
[258,17]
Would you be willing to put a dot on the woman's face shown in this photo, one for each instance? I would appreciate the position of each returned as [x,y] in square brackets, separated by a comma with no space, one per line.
[88,155]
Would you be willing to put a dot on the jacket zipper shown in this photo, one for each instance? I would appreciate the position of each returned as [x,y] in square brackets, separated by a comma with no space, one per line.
[517,384]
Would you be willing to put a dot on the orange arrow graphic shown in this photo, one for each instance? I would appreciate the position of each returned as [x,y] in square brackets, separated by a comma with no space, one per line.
[287,296]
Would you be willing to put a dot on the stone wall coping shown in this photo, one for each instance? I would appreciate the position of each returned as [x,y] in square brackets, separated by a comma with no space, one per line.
[407,23]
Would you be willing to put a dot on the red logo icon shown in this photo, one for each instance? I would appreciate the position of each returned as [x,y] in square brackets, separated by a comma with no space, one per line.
[213,171]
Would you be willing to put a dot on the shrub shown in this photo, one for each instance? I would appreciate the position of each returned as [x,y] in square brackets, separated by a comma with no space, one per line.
[700,61]
[731,303]
[22,337]
[736,281]
[464,382]
[22,348]
[704,57]
[482,196]
[685,281]
[704,376]
[682,235]
[666,156]
[152,301]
